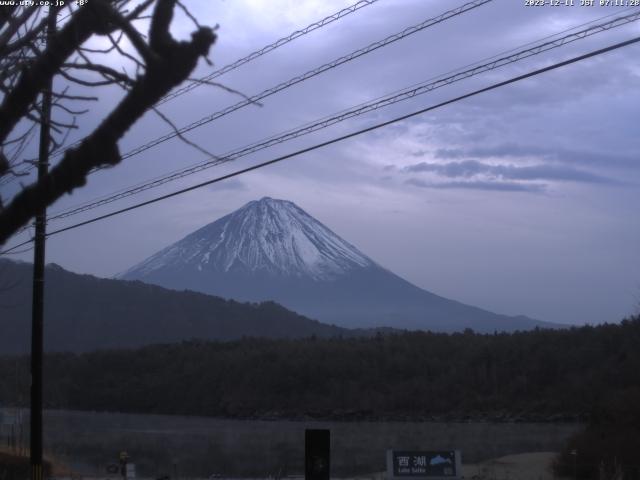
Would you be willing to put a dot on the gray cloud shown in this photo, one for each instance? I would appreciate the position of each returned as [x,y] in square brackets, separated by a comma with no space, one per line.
[550,154]
[583,116]
[230,184]
[479,185]
[471,168]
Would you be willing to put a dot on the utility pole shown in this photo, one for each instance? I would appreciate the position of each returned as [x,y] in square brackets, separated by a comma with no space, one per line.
[37,308]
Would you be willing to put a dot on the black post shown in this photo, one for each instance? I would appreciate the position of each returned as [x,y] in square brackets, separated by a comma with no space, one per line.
[317,453]
[124,458]
[38,281]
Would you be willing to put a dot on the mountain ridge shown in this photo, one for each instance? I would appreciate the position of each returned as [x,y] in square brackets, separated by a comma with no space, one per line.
[85,313]
[273,250]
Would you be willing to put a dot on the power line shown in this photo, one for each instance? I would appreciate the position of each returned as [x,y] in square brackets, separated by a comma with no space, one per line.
[361,109]
[310,74]
[457,70]
[268,48]
[18,252]
[237,63]
[343,137]
[300,78]
[12,249]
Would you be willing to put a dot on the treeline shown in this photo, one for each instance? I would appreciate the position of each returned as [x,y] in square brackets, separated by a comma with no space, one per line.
[537,375]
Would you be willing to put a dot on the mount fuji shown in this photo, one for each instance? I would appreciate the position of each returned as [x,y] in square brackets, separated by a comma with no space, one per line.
[273,250]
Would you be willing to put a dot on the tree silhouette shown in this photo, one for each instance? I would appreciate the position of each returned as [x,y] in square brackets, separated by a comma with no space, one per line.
[28,63]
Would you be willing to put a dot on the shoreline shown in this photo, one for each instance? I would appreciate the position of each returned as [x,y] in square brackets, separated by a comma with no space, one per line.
[351,416]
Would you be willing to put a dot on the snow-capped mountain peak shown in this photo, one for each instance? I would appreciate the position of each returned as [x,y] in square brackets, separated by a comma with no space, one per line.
[267,236]
[272,250]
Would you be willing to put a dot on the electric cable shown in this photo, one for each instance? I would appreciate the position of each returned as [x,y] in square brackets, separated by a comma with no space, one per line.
[340,138]
[361,109]
[266,49]
[309,74]
[295,80]
[241,61]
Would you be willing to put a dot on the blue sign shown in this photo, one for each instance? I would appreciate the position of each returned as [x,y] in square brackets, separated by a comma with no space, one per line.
[407,464]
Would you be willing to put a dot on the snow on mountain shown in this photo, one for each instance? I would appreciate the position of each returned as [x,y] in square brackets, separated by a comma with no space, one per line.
[267,236]
[273,250]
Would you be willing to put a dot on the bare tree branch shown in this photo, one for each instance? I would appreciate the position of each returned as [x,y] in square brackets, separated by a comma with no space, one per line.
[14,26]
[32,34]
[227,89]
[147,54]
[181,136]
[33,79]
[168,65]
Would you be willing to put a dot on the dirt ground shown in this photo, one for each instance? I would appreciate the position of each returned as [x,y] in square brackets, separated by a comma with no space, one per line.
[526,466]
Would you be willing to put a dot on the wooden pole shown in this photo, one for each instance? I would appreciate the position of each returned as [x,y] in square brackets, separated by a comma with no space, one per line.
[37,312]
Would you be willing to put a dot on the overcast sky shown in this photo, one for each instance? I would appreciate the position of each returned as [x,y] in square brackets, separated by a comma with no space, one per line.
[523,200]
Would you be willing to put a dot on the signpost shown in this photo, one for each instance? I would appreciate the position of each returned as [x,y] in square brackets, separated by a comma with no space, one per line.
[124,458]
[431,465]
